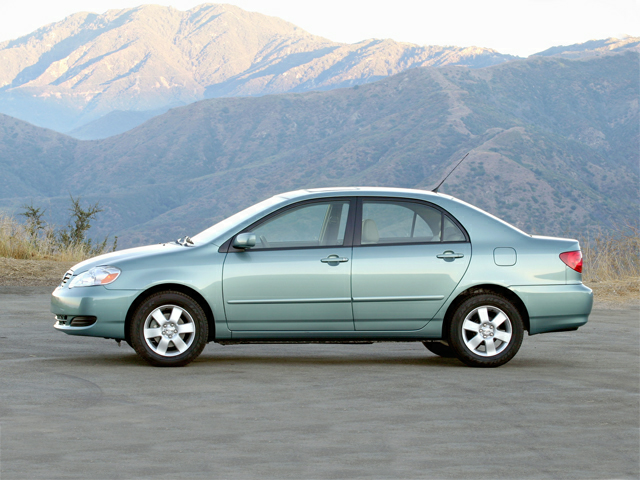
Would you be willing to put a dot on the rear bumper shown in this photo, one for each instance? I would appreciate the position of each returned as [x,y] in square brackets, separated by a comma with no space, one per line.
[109,307]
[555,308]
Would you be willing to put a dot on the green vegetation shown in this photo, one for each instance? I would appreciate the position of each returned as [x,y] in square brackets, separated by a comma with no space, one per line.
[37,240]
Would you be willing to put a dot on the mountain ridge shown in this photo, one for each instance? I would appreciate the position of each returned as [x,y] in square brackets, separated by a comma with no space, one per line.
[550,139]
[74,71]
[594,47]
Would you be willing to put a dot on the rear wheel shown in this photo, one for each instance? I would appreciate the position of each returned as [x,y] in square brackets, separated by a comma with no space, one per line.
[486,331]
[440,349]
[169,329]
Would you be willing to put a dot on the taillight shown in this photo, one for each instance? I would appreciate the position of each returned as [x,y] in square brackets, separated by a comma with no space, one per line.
[573,260]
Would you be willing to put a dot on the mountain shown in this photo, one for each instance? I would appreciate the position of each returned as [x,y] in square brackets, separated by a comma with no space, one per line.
[594,47]
[72,72]
[554,149]
[32,159]
[114,123]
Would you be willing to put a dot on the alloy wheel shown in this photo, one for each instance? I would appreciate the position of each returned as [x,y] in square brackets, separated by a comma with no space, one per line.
[487,331]
[169,330]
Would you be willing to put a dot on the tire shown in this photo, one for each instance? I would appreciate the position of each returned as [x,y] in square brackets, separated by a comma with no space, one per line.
[180,324]
[440,349]
[486,330]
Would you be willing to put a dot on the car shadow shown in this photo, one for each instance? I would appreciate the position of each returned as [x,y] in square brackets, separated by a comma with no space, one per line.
[319,360]
[133,360]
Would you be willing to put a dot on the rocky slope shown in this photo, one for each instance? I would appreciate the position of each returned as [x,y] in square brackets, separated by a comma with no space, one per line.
[72,72]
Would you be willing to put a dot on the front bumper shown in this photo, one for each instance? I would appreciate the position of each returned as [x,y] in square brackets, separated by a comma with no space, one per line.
[555,308]
[109,307]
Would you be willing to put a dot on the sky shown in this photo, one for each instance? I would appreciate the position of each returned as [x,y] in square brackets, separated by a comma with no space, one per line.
[517,27]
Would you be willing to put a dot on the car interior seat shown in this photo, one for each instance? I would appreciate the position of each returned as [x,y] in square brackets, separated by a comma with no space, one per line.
[369,232]
[452,234]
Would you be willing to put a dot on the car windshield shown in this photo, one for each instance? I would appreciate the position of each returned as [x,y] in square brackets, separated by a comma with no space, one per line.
[220,228]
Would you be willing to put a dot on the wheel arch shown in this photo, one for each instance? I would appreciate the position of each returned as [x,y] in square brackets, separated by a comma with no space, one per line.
[176,287]
[487,288]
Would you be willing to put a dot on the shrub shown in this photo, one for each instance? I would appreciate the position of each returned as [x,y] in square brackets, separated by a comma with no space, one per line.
[37,240]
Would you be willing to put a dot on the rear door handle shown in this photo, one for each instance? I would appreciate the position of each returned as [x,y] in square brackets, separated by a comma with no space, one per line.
[334,259]
[450,254]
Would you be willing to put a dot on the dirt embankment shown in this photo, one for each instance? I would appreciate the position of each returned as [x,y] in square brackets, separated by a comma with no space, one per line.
[32,273]
[48,273]
[617,294]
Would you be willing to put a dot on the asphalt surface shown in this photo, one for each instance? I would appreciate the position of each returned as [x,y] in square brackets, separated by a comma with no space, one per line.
[567,406]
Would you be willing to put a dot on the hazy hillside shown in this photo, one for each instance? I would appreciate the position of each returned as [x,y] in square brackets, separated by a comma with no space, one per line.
[115,122]
[32,160]
[72,72]
[554,149]
[594,47]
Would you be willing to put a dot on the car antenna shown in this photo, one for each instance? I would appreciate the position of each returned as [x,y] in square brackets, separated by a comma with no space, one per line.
[435,190]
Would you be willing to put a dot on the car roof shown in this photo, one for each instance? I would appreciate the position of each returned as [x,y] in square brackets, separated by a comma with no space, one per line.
[364,191]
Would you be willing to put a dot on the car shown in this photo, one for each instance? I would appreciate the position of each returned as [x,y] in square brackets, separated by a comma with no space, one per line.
[334,265]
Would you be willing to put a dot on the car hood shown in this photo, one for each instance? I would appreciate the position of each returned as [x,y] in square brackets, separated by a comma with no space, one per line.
[118,257]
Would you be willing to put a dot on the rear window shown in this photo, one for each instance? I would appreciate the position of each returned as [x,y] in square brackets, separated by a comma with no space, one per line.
[392,222]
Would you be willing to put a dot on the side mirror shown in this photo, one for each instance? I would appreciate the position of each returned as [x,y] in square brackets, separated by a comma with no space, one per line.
[245,240]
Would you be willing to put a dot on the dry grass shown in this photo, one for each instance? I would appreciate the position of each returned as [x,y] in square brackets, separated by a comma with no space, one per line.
[611,256]
[612,265]
[26,260]
[16,242]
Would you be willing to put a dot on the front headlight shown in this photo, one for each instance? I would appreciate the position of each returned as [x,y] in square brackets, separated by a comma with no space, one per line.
[96,276]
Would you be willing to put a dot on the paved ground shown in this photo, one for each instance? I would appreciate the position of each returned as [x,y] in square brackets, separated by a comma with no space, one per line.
[566,407]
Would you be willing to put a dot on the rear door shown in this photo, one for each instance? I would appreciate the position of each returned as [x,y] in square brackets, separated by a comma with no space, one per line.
[408,257]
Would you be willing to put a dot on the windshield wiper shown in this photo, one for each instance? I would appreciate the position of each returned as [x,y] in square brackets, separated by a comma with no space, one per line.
[186,241]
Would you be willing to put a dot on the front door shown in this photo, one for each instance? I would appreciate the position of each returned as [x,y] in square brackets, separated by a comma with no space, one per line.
[298,276]
[408,258]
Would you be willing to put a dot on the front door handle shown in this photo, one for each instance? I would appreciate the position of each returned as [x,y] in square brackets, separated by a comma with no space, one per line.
[450,254]
[334,259]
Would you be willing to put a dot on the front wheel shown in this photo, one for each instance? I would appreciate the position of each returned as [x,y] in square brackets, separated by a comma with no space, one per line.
[169,329]
[486,331]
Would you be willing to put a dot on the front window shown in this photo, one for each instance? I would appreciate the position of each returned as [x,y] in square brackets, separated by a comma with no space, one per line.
[309,225]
